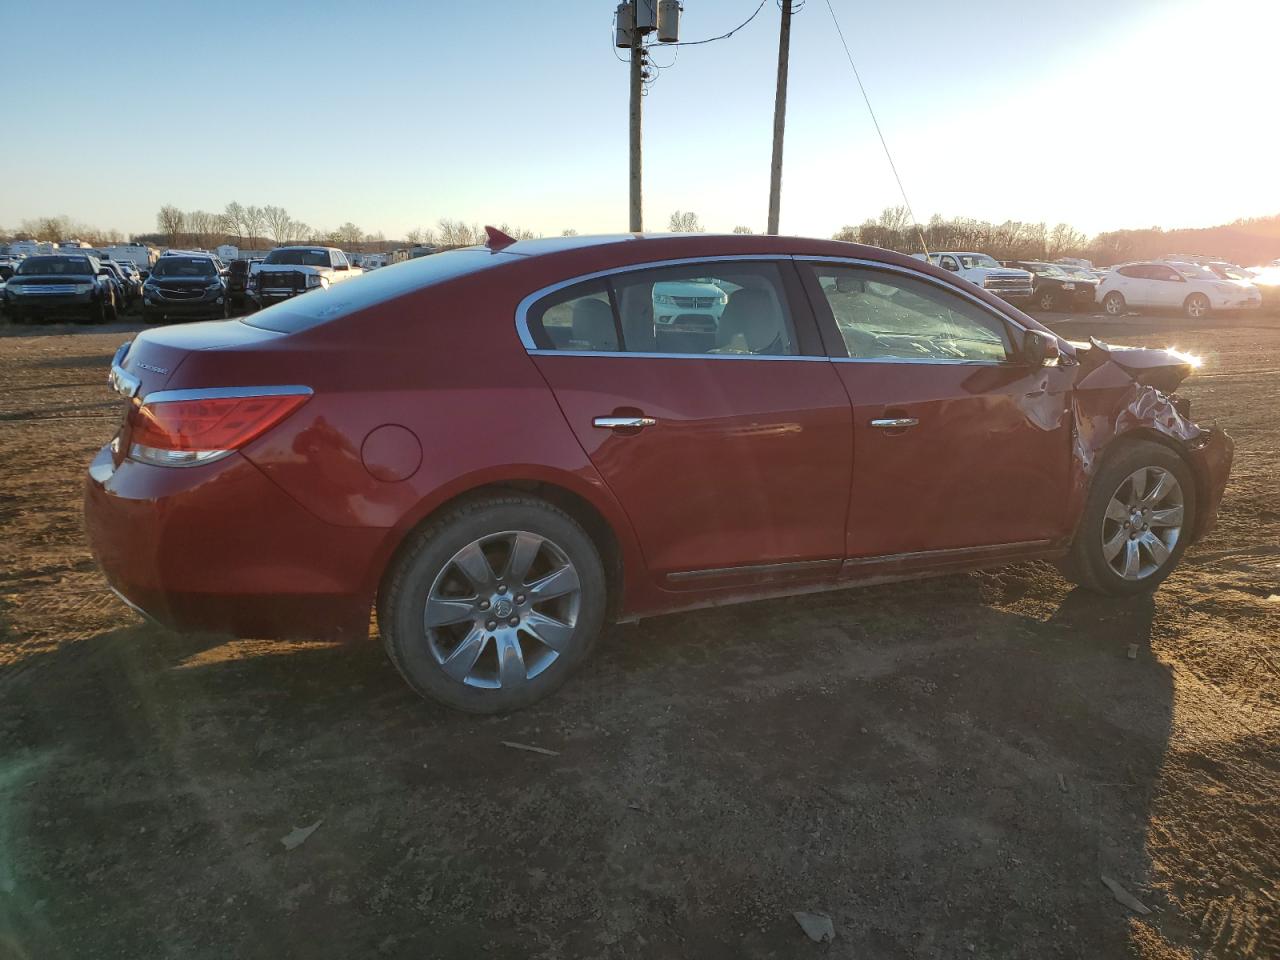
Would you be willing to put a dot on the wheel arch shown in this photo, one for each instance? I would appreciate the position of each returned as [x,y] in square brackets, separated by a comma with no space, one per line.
[588,504]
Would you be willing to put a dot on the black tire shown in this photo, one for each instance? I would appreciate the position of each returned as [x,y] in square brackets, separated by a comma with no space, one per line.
[1196,306]
[110,313]
[1086,564]
[429,554]
[1113,304]
[1047,301]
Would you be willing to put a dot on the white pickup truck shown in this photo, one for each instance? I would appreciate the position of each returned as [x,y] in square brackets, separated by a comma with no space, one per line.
[1005,282]
[289,271]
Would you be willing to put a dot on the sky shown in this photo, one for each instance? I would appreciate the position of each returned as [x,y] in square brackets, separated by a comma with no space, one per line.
[1101,113]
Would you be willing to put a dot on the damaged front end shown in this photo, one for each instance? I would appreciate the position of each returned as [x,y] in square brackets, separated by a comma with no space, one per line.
[1128,392]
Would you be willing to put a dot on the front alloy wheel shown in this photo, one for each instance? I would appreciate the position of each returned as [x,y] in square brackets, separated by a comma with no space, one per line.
[1137,520]
[1046,300]
[1113,304]
[1143,522]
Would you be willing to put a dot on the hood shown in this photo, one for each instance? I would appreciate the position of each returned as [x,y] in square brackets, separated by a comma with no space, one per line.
[18,279]
[1162,369]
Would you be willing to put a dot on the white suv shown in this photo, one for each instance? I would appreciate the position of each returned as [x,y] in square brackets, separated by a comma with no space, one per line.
[1189,287]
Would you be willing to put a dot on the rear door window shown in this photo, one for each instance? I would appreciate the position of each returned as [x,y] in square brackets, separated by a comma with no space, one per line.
[697,309]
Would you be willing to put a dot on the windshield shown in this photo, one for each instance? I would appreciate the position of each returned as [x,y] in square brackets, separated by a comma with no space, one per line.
[1193,271]
[73,266]
[184,267]
[1228,272]
[301,258]
[968,260]
[1047,270]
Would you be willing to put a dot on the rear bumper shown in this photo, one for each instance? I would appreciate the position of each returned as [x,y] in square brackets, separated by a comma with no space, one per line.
[222,548]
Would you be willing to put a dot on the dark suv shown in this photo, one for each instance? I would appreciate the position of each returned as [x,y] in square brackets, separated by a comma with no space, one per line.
[62,284]
[238,282]
[1055,289]
[185,285]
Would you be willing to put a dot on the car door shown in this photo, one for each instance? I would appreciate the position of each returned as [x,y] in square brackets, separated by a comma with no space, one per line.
[1168,287]
[725,435]
[1134,283]
[958,444]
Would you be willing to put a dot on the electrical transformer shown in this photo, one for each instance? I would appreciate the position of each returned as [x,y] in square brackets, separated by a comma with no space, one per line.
[646,15]
[668,21]
[626,23]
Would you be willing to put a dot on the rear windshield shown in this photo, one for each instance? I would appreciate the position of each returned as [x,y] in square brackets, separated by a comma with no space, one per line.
[300,258]
[73,266]
[184,267]
[370,289]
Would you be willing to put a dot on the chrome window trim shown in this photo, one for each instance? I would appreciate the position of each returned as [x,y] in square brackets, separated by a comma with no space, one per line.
[226,393]
[526,338]
[539,352]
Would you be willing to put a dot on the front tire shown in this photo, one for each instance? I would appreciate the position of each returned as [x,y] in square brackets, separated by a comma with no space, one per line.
[1113,304]
[1046,300]
[1139,513]
[1196,306]
[490,607]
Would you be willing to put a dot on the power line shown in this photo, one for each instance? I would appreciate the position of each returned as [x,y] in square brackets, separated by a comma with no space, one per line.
[723,36]
[879,132]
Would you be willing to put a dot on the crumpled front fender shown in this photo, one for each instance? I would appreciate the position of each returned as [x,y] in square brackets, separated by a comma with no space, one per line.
[1122,391]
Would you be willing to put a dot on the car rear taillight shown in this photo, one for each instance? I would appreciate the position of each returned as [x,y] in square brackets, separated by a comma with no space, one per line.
[183,428]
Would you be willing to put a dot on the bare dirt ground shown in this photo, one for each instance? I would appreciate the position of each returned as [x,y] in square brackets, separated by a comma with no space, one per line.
[946,769]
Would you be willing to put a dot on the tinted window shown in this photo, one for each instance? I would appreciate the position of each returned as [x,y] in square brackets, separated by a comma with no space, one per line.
[1136,271]
[733,309]
[887,316]
[1158,271]
[300,257]
[575,318]
[75,266]
[184,267]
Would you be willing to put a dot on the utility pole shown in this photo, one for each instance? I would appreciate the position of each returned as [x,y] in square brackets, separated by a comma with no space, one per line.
[634,19]
[779,118]
[637,91]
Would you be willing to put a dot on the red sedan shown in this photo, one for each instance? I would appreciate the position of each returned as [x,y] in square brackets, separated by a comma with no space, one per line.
[501,448]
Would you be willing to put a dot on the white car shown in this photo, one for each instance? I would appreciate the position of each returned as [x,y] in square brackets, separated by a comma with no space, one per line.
[1193,289]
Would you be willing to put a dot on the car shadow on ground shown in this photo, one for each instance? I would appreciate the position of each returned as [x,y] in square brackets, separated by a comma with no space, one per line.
[939,774]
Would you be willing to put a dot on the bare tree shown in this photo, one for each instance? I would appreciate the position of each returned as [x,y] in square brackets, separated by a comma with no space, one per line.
[686,222]
[255,223]
[278,223]
[349,234]
[171,222]
[741,229]
[233,221]
[456,233]
[568,232]
[413,237]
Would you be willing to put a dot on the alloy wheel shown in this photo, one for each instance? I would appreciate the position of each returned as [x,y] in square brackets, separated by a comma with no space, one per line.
[502,609]
[1197,307]
[1143,522]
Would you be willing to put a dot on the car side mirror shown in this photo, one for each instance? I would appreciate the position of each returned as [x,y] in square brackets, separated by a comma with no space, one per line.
[1039,348]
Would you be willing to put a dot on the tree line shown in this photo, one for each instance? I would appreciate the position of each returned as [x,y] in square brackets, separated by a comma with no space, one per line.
[1247,241]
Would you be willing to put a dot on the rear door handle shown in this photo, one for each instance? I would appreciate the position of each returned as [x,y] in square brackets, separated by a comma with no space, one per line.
[895,423]
[622,423]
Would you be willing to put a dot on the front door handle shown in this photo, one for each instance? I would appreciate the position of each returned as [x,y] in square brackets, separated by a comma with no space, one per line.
[895,423]
[623,423]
